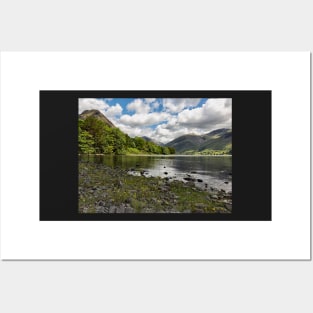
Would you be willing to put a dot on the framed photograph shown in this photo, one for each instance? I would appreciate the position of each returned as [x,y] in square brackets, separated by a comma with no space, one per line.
[155,156]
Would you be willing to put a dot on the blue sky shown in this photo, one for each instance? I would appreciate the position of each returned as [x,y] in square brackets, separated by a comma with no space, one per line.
[163,119]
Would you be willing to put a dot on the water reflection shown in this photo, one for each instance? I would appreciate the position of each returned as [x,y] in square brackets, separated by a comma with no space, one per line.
[207,171]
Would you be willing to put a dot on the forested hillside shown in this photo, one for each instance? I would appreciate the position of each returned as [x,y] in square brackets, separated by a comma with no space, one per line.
[97,136]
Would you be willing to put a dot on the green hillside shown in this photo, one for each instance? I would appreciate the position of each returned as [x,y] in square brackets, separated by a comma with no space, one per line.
[98,135]
[214,143]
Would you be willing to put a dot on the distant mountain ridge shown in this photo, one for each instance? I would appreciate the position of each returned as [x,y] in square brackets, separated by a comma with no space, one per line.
[214,142]
[159,143]
[97,114]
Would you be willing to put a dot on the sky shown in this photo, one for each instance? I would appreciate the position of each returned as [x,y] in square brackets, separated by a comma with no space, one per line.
[163,119]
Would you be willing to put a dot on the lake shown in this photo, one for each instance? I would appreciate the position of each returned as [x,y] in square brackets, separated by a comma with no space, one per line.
[206,171]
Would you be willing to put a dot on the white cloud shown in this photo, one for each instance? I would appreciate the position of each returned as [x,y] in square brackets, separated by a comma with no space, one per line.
[91,104]
[144,119]
[213,114]
[139,106]
[165,134]
[114,110]
[155,105]
[134,131]
[176,105]
[149,100]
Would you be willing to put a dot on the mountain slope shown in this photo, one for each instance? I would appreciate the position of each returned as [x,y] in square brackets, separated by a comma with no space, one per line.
[152,140]
[220,139]
[217,140]
[186,142]
[95,137]
[98,115]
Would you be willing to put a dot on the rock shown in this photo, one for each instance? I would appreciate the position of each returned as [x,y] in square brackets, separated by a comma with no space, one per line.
[193,172]
[226,182]
[101,209]
[199,180]
[163,189]
[165,173]
[222,210]
[200,205]
[198,211]
[189,179]
[215,197]
[228,206]
[148,210]
[129,210]
[120,209]
[85,210]
[112,209]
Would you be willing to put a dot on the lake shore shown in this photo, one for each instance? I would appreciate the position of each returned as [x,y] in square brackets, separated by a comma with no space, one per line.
[103,189]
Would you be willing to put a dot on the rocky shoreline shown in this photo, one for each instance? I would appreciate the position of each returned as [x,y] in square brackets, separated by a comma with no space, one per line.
[103,189]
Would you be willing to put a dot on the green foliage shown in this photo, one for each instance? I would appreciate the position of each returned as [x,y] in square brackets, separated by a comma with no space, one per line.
[86,142]
[95,136]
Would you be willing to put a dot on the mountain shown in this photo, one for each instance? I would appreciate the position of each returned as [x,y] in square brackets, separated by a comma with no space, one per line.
[218,141]
[97,114]
[152,140]
[95,138]
[186,142]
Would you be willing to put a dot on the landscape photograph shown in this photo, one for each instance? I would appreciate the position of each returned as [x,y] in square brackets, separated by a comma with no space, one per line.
[155,155]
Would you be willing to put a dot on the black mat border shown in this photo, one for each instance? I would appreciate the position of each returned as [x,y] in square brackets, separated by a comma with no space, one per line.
[251,111]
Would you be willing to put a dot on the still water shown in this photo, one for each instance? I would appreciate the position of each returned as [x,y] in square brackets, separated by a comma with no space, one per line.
[207,171]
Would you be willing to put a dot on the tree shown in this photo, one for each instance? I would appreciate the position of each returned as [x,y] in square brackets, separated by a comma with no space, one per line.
[119,141]
[94,136]
[85,140]
[165,150]
[171,150]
